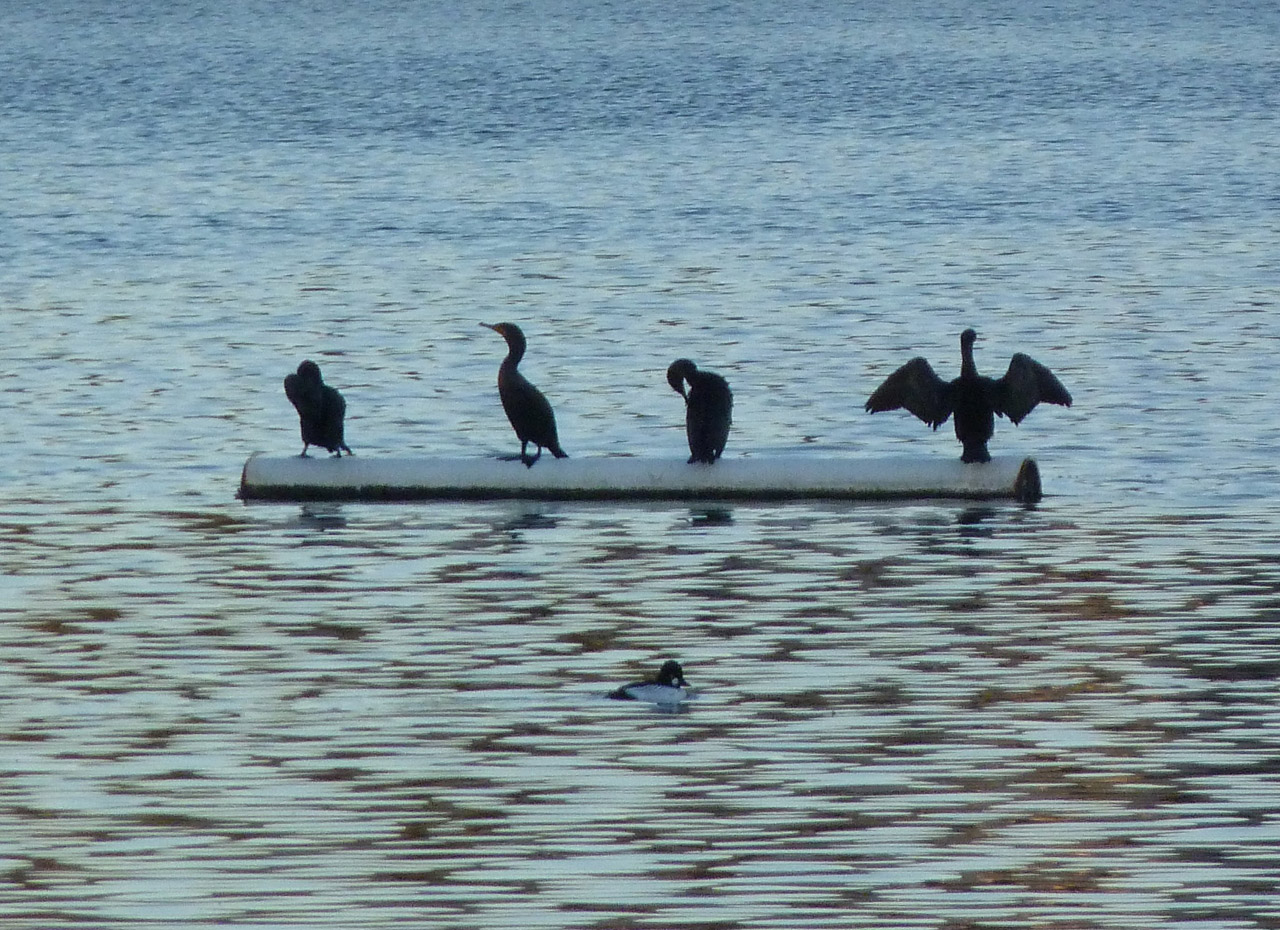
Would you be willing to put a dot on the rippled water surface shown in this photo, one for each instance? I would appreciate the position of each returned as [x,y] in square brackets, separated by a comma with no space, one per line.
[919,714]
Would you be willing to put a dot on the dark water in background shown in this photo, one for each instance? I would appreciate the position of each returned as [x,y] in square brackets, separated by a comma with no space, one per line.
[910,715]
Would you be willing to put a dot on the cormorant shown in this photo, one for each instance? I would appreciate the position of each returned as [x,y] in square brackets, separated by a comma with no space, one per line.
[708,409]
[320,409]
[669,687]
[529,412]
[974,400]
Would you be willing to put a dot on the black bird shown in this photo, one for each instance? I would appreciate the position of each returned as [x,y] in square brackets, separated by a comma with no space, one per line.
[529,412]
[708,409]
[974,400]
[668,688]
[320,409]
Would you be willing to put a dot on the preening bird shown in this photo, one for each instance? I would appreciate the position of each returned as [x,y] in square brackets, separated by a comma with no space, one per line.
[708,409]
[530,413]
[972,399]
[669,687]
[320,409]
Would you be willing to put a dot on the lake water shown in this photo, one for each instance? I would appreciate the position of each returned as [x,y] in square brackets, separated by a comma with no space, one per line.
[918,714]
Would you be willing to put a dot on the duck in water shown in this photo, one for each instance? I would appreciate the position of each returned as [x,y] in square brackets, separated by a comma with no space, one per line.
[974,401]
[669,687]
[320,409]
[708,409]
[529,412]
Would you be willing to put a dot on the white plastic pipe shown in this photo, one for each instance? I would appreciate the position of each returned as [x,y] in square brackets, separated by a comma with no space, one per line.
[361,478]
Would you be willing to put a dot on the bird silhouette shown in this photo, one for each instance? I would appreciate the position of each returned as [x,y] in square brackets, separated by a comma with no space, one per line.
[974,401]
[320,409]
[528,410]
[708,409]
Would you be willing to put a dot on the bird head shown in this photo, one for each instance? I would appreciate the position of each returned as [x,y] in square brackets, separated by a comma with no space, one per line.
[678,372]
[309,371]
[672,674]
[508,331]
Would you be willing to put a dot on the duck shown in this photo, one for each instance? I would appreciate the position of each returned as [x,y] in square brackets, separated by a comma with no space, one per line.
[708,409]
[972,400]
[667,687]
[528,410]
[321,409]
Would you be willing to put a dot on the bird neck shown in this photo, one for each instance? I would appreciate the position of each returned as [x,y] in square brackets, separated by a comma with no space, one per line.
[967,367]
[515,352]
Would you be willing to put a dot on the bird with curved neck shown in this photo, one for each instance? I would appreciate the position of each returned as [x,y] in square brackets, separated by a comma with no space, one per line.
[972,400]
[320,409]
[528,410]
[708,409]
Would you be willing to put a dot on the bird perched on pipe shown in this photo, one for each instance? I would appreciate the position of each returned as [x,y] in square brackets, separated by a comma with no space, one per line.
[972,400]
[708,409]
[528,410]
[320,409]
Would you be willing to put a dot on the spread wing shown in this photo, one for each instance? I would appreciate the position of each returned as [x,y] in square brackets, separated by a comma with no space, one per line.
[916,387]
[1024,385]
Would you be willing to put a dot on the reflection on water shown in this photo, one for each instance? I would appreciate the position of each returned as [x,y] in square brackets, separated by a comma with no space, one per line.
[359,714]
[975,516]
[710,516]
[532,518]
[321,516]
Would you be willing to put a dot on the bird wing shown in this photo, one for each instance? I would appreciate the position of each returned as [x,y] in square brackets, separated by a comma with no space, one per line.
[916,387]
[709,414]
[528,409]
[303,399]
[335,405]
[1024,385]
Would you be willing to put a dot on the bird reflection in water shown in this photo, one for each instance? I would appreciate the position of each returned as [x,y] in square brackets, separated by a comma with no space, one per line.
[972,516]
[710,516]
[513,524]
[322,516]
[974,523]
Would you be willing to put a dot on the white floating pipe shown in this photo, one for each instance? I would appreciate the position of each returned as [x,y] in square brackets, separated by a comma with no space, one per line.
[359,478]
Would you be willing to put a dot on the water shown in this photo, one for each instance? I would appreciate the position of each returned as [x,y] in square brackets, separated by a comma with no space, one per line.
[908,715]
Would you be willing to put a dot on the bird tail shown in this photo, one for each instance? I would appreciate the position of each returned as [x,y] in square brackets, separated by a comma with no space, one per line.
[558,452]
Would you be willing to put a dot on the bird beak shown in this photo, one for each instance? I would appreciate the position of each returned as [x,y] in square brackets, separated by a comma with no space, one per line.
[492,326]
